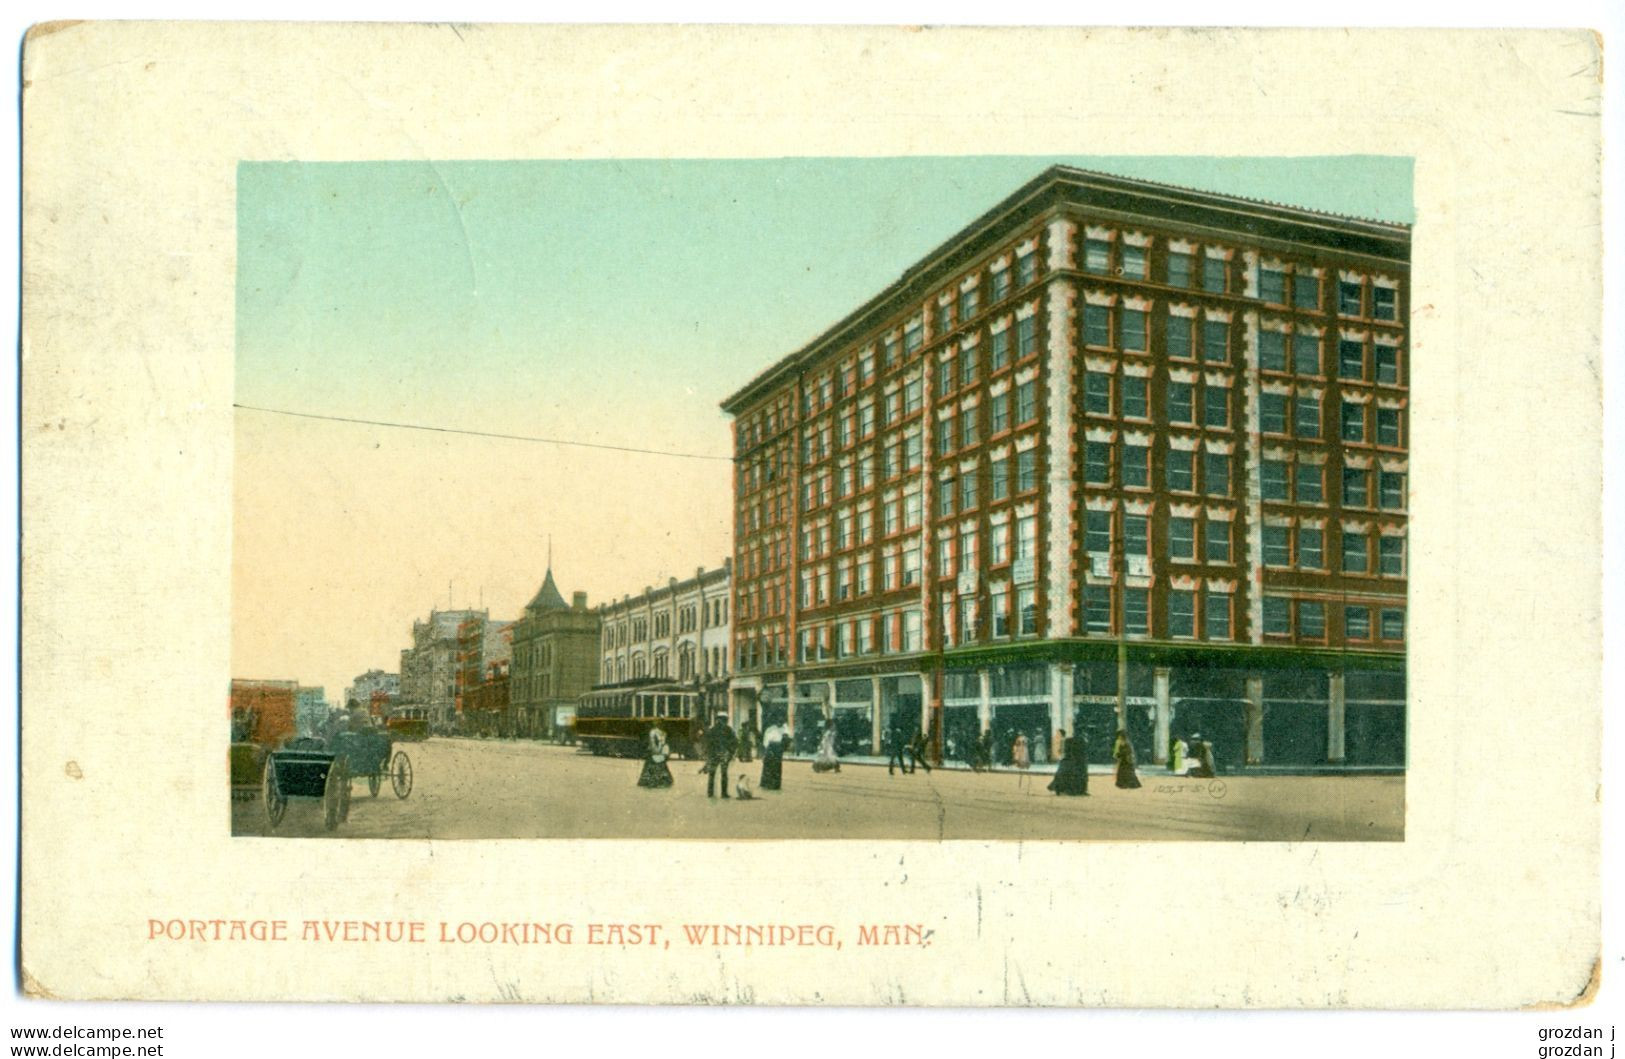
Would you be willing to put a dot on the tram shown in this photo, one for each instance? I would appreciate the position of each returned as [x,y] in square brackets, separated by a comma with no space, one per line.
[614,719]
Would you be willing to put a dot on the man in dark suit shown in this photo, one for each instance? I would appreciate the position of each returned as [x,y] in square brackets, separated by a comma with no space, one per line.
[916,751]
[720,744]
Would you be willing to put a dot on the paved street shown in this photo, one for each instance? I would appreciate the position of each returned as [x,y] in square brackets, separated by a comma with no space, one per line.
[480,789]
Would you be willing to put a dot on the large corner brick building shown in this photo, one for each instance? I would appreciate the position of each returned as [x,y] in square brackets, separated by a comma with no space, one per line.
[1109,418]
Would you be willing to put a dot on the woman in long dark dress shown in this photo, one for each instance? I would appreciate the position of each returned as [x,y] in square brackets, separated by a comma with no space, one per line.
[1123,753]
[1072,774]
[656,773]
[773,742]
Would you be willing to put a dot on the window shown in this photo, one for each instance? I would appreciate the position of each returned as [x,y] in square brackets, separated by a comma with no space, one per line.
[1385,303]
[1133,322]
[1391,490]
[1306,290]
[1136,535]
[1393,624]
[1388,427]
[946,491]
[1180,267]
[1215,340]
[1306,418]
[1214,274]
[1179,337]
[1215,474]
[1272,285]
[967,304]
[999,478]
[945,378]
[967,366]
[1356,552]
[1027,470]
[998,414]
[945,436]
[866,420]
[1348,298]
[912,394]
[998,544]
[892,350]
[1026,537]
[1001,283]
[1273,479]
[1277,546]
[1350,359]
[1182,538]
[1305,354]
[1217,540]
[1216,406]
[1310,483]
[1388,365]
[967,491]
[945,318]
[912,640]
[967,551]
[1026,337]
[1136,467]
[1272,350]
[1277,616]
[1097,256]
[1000,352]
[892,517]
[1356,487]
[1097,325]
[1027,401]
[967,618]
[1097,456]
[1026,268]
[1097,393]
[1181,613]
[1181,403]
[968,428]
[1098,532]
[1311,619]
[1180,471]
[1026,612]
[867,365]
[1353,418]
[1309,548]
[999,600]
[1216,616]
[1357,623]
[913,337]
[1391,556]
[1097,608]
[1135,402]
[1272,413]
[911,563]
[1134,262]
[1136,611]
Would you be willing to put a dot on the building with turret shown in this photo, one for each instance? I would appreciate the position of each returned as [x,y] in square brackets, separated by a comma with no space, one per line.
[554,660]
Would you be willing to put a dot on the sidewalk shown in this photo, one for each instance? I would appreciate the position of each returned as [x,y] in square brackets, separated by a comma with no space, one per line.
[1097,769]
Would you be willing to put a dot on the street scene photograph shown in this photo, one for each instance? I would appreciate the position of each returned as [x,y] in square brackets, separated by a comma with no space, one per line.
[931,498]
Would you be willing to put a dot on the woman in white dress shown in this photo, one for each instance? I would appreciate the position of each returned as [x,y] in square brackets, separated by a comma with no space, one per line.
[827,760]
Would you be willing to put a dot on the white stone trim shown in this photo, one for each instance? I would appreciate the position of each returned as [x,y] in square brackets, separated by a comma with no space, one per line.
[1353,334]
[1134,506]
[968,466]
[1000,263]
[1385,281]
[1027,443]
[970,282]
[1027,374]
[1275,452]
[1249,273]
[1027,246]
[1308,390]
[999,518]
[1103,365]
[1136,368]
[970,402]
[1030,309]
[1221,584]
[1216,378]
[1060,587]
[1001,324]
[1134,302]
[1312,521]
[1219,514]
[1184,510]
[1136,239]
[1346,276]
[1391,531]
[1391,402]
[1027,509]
[1181,309]
[945,354]
[1181,246]
[945,413]
[1180,443]
[970,341]
[1099,297]
[1313,331]
[1099,503]
[999,387]
[1356,525]
[1280,326]
[1135,437]
[1221,316]
[1222,253]
[1358,461]
[1062,244]
[1280,389]
[1182,582]
[1000,453]
[1100,434]
[1313,457]
[1182,375]
[1278,521]
[1394,465]
[1219,447]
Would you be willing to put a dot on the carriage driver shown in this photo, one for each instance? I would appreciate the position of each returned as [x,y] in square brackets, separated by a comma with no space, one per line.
[720,744]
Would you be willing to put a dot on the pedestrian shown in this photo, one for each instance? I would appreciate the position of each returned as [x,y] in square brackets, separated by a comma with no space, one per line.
[1123,754]
[896,747]
[1072,774]
[982,755]
[1057,746]
[916,751]
[1018,752]
[749,739]
[827,760]
[1202,751]
[1176,756]
[1040,748]
[720,744]
[656,773]
[773,743]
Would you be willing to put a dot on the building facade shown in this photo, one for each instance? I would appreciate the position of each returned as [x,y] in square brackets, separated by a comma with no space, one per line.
[555,660]
[359,695]
[484,650]
[429,666]
[1117,455]
[680,632]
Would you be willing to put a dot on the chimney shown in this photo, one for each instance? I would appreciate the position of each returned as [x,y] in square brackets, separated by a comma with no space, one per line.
[578,601]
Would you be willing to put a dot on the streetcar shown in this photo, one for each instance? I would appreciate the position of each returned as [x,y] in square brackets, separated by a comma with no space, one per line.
[615,719]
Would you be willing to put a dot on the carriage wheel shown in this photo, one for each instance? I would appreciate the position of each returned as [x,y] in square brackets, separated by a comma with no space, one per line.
[344,798]
[276,803]
[400,774]
[374,781]
[332,797]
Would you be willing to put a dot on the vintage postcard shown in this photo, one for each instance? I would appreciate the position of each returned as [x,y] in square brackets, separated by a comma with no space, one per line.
[665,526]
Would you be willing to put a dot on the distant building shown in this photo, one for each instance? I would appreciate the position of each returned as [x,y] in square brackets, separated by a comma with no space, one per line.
[429,666]
[310,710]
[680,632]
[555,659]
[487,707]
[263,711]
[360,692]
[483,646]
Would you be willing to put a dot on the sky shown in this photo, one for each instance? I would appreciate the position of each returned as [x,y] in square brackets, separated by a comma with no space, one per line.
[611,302]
